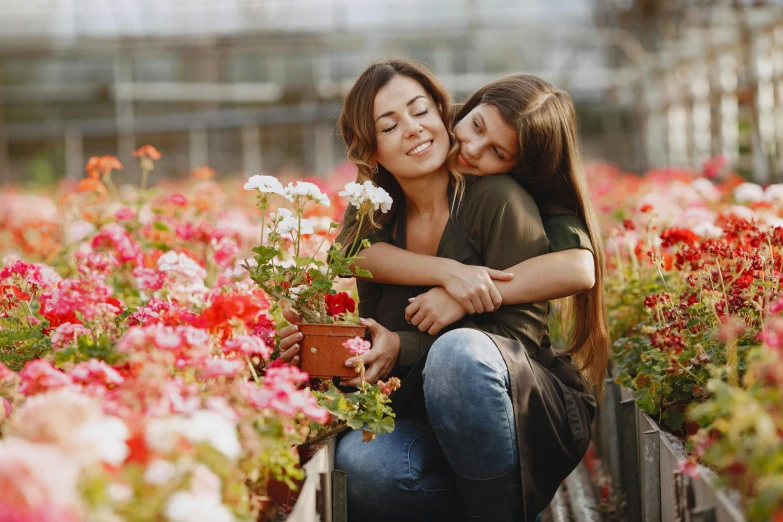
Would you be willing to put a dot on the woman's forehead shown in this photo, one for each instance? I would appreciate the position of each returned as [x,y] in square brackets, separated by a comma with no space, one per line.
[397,94]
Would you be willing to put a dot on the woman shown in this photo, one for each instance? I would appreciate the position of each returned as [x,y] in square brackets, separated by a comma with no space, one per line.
[495,393]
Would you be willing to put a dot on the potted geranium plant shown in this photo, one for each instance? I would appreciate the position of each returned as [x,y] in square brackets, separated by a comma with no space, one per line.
[304,281]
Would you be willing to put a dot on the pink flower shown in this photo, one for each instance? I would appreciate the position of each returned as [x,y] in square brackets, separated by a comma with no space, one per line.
[7,408]
[148,278]
[98,264]
[96,372]
[39,376]
[246,345]
[38,481]
[226,251]
[167,338]
[223,367]
[66,334]
[114,237]
[124,214]
[777,306]
[179,200]
[279,392]
[358,346]
[689,467]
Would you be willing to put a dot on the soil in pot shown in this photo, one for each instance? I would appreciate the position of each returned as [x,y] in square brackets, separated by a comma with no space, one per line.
[323,354]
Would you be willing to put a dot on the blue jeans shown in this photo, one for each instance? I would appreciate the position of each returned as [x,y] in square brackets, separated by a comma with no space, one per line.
[469,430]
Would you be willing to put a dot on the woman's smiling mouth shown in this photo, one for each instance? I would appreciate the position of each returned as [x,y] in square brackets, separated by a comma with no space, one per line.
[420,149]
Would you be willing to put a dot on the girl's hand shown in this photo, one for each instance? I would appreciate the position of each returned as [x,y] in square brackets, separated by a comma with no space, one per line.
[473,287]
[381,359]
[290,338]
[433,310]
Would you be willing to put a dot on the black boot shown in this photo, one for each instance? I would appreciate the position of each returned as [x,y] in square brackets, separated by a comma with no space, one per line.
[493,500]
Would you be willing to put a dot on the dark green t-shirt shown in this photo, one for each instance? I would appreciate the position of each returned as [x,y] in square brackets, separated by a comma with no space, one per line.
[565,232]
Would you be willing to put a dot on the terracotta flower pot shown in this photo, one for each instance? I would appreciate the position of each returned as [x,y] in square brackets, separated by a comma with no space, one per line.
[323,354]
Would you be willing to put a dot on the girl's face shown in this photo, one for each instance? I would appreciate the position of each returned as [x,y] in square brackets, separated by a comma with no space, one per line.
[412,140]
[487,144]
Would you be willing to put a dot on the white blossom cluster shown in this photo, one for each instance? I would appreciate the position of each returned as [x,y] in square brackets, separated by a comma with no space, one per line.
[264,184]
[307,191]
[286,222]
[367,197]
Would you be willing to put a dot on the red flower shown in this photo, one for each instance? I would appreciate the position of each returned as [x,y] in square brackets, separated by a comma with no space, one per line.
[337,304]
[13,289]
[226,307]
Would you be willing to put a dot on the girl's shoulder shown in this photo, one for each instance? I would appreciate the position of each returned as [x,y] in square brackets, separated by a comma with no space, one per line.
[492,193]
[494,188]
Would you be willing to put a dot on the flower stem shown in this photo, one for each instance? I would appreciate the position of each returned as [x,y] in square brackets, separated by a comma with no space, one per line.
[358,228]
[252,370]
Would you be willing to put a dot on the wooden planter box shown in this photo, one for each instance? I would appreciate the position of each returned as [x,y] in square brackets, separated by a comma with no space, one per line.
[644,463]
[322,497]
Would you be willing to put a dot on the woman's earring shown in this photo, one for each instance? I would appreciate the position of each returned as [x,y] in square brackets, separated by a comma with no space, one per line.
[374,169]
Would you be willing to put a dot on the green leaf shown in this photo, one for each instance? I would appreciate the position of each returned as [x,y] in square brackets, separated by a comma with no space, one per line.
[674,419]
[360,272]
[265,254]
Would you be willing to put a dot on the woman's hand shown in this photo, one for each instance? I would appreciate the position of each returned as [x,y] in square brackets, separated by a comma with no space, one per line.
[473,287]
[381,359]
[433,310]
[290,338]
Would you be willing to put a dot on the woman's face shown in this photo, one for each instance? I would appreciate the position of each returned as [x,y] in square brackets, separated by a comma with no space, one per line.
[412,140]
[487,144]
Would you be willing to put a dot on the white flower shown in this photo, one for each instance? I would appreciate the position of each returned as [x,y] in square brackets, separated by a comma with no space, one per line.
[308,191]
[706,189]
[707,230]
[159,472]
[367,196]
[182,264]
[213,428]
[119,492]
[741,212]
[77,231]
[289,224]
[282,213]
[264,184]
[297,290]
[106,438]
[774,193]
[749,193]
[184,506]
[203,426]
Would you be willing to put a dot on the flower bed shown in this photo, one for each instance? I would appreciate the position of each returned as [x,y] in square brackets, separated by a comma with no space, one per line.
[138,378]
[694,299]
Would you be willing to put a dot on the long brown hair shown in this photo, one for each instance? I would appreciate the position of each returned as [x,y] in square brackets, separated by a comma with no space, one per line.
[550,169]
[357,129]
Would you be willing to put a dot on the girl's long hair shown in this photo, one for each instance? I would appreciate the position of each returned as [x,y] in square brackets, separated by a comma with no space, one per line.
[550,169]
[357,129]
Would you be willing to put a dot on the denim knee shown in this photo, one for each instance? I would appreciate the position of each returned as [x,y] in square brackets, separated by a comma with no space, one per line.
[398,475]
[461,356]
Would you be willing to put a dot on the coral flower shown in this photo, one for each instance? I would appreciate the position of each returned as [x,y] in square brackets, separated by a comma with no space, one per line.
[98,167]
[203,173]
[91,185]
[147,151]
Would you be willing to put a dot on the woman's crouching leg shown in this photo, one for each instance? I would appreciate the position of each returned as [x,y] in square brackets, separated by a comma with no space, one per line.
[401,475]
[467,392]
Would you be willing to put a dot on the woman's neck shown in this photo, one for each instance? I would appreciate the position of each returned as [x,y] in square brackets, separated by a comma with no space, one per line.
[428,195]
